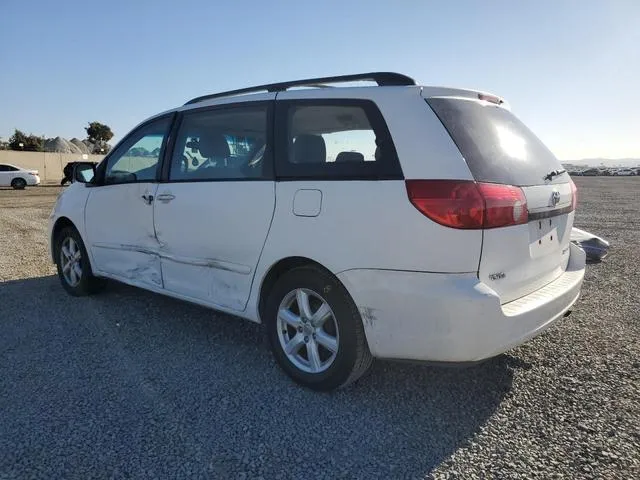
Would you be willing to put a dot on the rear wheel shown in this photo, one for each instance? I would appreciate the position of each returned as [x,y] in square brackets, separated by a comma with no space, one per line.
[18,183]
[315,330]
[72,261]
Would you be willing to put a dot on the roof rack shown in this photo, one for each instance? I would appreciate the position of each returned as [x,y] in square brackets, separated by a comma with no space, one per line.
[383,79]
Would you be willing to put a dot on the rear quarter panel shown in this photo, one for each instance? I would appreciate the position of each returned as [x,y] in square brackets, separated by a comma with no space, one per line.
[364,225]
[372,224]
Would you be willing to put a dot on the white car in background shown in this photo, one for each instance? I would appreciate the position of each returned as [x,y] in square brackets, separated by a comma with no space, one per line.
[625,172]
[393,221]
[16,177]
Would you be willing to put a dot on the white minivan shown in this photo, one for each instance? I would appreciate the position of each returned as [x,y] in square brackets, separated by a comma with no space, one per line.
[394,221]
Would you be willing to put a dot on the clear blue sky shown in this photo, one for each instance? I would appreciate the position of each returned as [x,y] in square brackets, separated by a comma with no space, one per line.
[569,68]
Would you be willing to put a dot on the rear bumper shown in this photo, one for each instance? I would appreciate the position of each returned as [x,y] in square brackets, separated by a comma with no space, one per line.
[454,317]
[33,180]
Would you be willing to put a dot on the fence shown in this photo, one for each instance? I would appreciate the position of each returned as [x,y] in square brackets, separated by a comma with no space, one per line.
[48,164]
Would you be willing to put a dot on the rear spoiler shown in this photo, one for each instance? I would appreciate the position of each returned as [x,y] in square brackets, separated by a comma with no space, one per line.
[464,93]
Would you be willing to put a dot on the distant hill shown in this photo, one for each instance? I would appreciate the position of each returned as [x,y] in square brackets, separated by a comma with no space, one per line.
[606,162]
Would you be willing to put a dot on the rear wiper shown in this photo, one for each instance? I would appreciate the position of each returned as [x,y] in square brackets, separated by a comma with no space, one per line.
[554,173]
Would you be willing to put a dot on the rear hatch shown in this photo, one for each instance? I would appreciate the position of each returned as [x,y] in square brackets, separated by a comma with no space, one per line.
[499,149]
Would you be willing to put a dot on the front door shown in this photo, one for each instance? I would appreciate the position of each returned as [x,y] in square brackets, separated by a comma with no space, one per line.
[119,211]
[213,214]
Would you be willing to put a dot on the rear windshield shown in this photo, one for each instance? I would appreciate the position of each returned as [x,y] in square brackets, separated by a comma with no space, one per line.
[497,147]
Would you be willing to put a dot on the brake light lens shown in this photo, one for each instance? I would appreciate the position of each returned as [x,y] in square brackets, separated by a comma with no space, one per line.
[574,195]
[490,98]
[504,205]
[466,204]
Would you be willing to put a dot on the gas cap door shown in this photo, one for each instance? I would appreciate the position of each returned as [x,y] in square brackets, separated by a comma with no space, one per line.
[307,203]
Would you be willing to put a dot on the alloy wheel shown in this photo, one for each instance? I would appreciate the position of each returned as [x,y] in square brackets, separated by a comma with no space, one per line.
[308,330]
[70,258]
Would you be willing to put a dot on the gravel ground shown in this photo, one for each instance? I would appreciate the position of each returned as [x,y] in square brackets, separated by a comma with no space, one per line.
[129,384]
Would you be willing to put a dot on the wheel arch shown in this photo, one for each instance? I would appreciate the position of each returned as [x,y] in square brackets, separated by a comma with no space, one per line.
[61,223]
[278,269]
[19,178]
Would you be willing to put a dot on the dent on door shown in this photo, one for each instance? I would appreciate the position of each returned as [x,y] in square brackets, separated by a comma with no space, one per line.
[210,238]
[119,224]
[206,279]
[133,263]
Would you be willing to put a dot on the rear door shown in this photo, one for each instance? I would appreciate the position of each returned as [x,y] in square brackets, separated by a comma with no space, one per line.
[499,148]
[213,212]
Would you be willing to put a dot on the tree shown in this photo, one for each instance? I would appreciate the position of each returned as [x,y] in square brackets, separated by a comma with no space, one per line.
[29,143]
[99,134]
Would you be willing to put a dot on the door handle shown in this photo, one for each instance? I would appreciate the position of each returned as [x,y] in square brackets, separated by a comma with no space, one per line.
[148,198]
[166,197]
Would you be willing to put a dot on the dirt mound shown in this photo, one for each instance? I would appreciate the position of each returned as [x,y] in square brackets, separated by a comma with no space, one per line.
[61,145]
[80,144]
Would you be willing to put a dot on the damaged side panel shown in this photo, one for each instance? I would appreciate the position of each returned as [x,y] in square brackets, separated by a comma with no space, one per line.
[120,233]
[213,285]
[135,266]
[211,236]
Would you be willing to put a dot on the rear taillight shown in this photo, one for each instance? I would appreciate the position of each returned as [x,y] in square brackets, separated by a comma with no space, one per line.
[574,195]
[467,204]
[504,205]
[451,203]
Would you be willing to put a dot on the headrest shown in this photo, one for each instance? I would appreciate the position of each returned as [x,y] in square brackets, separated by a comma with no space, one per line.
[214,145]
[309,149]
[350,157]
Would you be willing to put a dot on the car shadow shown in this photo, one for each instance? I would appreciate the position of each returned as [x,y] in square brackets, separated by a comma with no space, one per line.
[136,375]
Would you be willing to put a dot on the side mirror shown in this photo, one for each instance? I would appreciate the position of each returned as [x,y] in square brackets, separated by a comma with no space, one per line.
[83,172]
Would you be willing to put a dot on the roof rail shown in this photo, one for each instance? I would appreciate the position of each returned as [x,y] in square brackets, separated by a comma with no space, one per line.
[383,79]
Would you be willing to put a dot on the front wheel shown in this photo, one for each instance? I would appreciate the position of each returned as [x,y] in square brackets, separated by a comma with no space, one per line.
[72,261]
[315,330]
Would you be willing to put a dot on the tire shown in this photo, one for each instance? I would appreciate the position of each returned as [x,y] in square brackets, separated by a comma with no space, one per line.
[78,280]
[18,183]
[312,363]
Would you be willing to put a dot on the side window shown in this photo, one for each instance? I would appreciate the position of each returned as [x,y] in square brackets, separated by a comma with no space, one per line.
[8,168]
[136,160]
[339,139]
[222,144]
[3,168]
